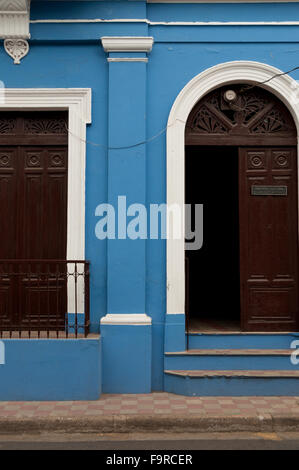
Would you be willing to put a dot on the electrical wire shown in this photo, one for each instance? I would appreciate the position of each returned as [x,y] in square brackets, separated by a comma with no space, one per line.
[161,132]
[280,74]
[126,147]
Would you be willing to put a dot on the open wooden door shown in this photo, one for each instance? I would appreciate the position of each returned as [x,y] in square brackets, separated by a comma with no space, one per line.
[260,127]
[268,215]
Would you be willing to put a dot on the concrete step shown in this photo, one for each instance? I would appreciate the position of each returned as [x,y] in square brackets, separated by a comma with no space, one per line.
[230,359]
[234,373]
[232,382]
[242,340]
[231,352]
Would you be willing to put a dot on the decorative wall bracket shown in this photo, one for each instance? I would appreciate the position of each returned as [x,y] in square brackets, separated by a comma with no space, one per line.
[16,48]
[14,27]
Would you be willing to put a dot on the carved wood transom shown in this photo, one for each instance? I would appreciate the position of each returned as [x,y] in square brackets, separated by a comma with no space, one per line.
[34,123]
[254,113]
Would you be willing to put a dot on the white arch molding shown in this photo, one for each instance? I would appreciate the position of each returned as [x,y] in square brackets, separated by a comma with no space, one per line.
[284,87]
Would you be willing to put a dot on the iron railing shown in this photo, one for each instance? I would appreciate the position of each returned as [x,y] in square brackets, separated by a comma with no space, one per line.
[44,298]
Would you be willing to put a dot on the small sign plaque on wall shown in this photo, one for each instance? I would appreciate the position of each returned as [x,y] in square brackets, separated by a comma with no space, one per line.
[269,190]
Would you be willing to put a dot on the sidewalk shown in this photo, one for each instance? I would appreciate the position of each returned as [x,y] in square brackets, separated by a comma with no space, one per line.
[156,412]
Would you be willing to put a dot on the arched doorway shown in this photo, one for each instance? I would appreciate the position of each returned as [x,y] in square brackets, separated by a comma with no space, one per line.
[241,163]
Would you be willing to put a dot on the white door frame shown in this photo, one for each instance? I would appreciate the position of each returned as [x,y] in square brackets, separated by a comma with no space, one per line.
[284,87]
[77,101]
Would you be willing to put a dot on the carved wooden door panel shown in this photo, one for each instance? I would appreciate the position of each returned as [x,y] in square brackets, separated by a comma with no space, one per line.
[268,238]
[8,244]
[33,205]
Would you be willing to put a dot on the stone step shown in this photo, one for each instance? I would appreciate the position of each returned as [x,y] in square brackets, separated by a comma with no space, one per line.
[232,352]
[235,373]
[232,382]
[231,359]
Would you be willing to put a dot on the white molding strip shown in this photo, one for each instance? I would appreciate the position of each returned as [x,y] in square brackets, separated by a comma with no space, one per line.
[14,19]
[222,1]
[91,20]
[127,43]
[127,59]
[284,87]
[133,319]
[172,23]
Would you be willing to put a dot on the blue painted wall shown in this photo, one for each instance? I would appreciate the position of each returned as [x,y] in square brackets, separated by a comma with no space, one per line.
[52,369]
[71,55]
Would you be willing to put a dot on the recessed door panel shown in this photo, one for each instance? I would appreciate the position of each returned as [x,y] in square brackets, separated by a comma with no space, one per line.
[268,238]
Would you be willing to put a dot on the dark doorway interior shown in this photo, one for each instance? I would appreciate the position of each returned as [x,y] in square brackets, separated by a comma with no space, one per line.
[214,274]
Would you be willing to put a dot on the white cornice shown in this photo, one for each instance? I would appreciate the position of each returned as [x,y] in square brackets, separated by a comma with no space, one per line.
[14,19]
[15,5]
[127,43]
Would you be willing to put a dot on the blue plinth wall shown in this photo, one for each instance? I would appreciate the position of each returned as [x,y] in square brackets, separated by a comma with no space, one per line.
[51,369]
[127,357]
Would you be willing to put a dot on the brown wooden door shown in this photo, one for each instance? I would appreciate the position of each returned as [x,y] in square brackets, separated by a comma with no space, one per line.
[33,202]
[268,238]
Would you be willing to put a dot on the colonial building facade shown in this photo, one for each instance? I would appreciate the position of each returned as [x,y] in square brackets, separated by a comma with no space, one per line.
[119,119]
